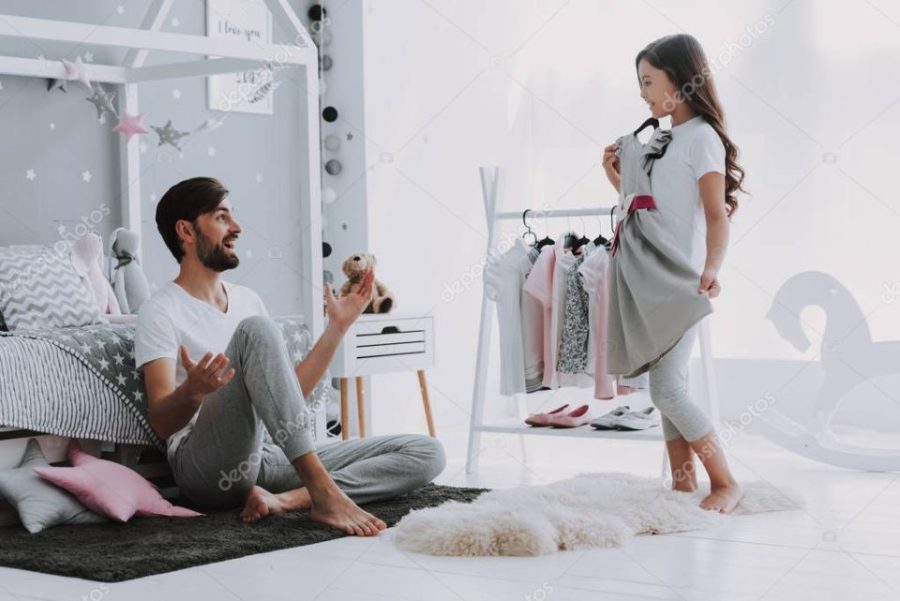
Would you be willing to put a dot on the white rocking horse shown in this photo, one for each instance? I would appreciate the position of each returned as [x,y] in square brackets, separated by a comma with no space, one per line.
[849,357]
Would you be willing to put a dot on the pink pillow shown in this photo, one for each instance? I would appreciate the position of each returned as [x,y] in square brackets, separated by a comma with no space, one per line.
[110,489]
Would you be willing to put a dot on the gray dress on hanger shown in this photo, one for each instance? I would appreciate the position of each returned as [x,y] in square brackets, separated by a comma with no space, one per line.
[653,297]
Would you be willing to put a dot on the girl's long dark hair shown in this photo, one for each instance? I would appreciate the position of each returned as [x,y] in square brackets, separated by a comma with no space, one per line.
[682,58]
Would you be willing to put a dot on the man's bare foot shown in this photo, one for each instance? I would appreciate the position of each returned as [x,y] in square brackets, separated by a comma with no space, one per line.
[723,498]
[261,503]
[336,509]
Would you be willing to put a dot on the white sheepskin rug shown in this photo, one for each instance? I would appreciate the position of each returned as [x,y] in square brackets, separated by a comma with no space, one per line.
[589,510]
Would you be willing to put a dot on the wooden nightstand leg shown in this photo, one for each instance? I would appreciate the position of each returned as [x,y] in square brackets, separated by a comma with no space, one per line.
[345,410]
[360,406]
[423,388]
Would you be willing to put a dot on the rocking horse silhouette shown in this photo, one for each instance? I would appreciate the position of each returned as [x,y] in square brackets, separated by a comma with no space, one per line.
[849,357]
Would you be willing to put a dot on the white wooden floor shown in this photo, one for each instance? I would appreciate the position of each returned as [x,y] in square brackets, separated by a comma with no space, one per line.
[844,545]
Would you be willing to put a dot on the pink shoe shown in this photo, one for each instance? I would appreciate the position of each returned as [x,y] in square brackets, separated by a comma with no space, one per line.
[573,419]
[540,420]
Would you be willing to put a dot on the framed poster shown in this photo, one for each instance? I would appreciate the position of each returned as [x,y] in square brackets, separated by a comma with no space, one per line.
[248,91]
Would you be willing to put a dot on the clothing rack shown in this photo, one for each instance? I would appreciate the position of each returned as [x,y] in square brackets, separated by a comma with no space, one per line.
[491,182]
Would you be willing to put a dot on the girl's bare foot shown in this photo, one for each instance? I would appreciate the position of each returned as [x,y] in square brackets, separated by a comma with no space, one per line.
[336,509]
[723,498]
[261,503]
[684,485]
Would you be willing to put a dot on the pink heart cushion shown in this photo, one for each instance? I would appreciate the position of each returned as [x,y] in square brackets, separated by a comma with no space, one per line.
[109,488]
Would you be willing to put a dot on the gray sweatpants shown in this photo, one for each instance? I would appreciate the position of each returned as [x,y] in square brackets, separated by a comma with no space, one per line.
[681,418]
[227,452]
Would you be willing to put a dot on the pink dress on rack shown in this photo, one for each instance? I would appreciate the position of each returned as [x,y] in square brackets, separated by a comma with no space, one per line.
[594,270]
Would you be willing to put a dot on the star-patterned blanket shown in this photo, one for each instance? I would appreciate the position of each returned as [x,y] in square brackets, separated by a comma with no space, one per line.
[83,383]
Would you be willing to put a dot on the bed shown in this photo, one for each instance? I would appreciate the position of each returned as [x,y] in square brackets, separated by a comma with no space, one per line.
[82,382]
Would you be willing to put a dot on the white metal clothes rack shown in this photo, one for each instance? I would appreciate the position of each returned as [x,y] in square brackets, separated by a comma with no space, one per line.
[490,187]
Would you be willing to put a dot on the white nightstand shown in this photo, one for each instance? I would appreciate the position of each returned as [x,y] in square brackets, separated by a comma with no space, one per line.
[379,344]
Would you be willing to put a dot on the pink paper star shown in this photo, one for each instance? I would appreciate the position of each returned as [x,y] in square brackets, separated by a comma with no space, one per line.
[76,71]
[130,125]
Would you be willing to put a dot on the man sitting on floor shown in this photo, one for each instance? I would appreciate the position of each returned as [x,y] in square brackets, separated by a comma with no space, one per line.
[218,378]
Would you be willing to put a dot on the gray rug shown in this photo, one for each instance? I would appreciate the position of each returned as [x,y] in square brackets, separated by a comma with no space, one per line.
[114,552]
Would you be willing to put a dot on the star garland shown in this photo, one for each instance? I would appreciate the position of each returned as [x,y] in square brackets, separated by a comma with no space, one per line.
[130,125]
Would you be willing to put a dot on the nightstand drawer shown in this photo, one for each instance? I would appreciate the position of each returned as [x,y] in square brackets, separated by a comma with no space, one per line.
[385,343]
[370,340]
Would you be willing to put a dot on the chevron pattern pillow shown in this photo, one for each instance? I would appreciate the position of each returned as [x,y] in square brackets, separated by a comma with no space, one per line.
[40,289]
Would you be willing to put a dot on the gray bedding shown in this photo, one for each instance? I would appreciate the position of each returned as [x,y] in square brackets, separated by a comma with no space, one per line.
[82,382]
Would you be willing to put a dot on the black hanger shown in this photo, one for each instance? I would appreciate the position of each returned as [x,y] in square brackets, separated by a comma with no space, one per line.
[602,240]
[545,241]
[607,243]
[651,121]
[575,243]
[571,242]
[528,229]
[538,244]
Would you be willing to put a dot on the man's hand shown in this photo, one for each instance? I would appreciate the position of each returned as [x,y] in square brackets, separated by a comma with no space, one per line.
[205,376]
[344,311]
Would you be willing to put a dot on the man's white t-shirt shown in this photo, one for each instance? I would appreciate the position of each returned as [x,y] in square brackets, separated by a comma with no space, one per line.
[695,150]
[172,317]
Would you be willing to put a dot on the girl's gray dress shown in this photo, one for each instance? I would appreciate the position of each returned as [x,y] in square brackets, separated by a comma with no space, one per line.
[653,298]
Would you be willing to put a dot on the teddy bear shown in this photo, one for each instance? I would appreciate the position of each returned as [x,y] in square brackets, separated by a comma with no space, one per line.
[355,268]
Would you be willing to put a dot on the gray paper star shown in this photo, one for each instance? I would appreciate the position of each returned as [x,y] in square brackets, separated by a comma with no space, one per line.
[169,135]
[102,101]
[57,83]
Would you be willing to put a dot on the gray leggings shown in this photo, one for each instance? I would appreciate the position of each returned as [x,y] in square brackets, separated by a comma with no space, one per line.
[681,418]
[227,451]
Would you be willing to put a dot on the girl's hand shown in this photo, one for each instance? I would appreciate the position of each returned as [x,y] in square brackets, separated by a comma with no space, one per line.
[611,165]
[709,282]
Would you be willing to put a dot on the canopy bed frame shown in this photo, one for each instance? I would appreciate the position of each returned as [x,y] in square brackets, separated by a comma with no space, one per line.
[233,55]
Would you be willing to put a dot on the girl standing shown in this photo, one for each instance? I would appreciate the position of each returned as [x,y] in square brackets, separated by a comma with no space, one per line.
[694,186]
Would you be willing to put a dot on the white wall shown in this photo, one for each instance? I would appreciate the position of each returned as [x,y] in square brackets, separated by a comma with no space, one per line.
[811,99]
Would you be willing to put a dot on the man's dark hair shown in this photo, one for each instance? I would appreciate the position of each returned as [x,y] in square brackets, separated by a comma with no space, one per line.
[187,200]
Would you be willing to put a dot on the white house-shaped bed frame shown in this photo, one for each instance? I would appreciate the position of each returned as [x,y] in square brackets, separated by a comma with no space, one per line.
[236,55]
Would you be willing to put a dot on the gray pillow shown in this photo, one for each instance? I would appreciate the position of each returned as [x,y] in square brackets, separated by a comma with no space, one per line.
[39,289]
[39,503]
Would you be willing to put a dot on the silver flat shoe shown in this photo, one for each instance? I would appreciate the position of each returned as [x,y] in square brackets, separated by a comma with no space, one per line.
[608,421]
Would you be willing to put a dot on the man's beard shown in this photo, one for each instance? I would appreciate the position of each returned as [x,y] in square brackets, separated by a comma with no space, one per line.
[215,256]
